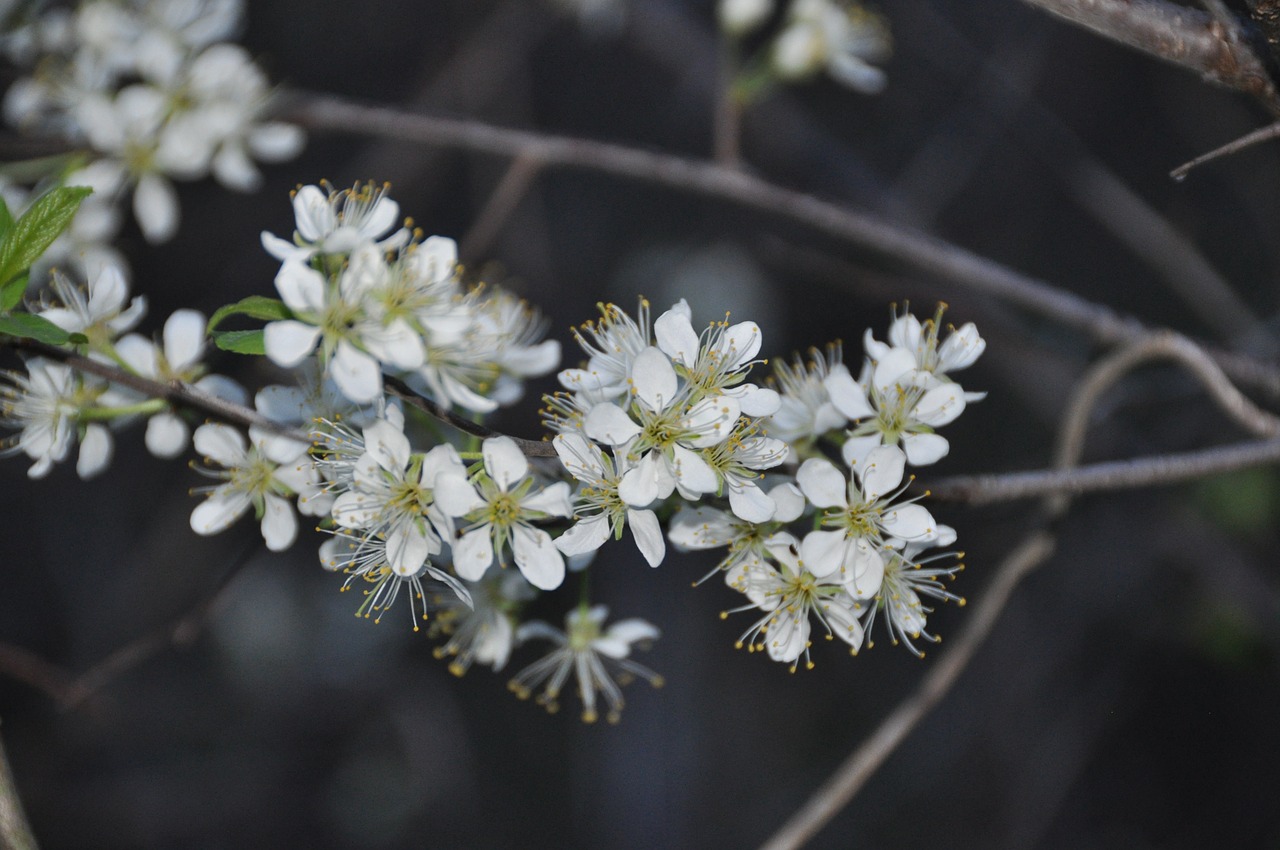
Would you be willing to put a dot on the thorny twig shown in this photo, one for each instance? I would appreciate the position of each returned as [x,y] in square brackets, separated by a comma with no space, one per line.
[924,252]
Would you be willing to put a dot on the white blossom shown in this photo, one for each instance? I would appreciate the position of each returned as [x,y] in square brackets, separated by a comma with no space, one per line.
[598,658]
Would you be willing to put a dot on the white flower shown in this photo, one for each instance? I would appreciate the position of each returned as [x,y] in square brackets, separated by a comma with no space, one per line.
[913,355]
[485,631]
[862,516]
[501,512]
[98,310]
[717,361]
[337,221]
[390,497]
[612,345]
[842,37]
[366,558]
[739,17]
[789,594]
[45,404]
[178,360]
[711,528]
[250,479]
[664,429]
[585,651]
[601,512]
[805,409]
[738,461]
[511,331]
[327,313]
[906,580]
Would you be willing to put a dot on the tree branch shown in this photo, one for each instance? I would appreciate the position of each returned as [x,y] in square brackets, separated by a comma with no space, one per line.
[402,391]
[923,252]
[1212,45]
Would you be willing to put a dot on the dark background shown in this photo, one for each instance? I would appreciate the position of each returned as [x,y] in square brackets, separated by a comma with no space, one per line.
[1127,697]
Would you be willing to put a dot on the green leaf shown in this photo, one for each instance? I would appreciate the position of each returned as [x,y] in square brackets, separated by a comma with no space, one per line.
[11,293]
[31,326]
[38,227]
[255,307]
[241,342]
[6,219]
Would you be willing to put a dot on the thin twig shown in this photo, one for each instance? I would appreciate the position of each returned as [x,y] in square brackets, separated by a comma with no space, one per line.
[176,392]
[180,632]
[22,664]
[922,251]
[402,391]
[1264,134]
[728,113]
[1127,474]
[502,202]
[15,832]
[1199,41]
[1113,475]
[853,773]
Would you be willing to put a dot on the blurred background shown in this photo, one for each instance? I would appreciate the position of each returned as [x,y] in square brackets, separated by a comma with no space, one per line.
[1127,696]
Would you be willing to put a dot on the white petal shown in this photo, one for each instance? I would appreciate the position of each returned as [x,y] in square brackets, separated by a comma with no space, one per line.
[357,374]
[504,461]
[216,513]
[846,394]
[787,637]
[301,287]
[632,630]
[279,525]
[790,502]
[407,550]
[654,379]
[924,449]
[676,337]
[856,449]
[537,557]
[441,459]
[757,401]
[276,141]
[586,535]
[864,580]
[823,552]
[581,458]
[892,368]
[640,484]
[288,343]
[648,535]
[842,618]
[455,495]
[166,435]
[712,419]
[234,169]
[823,484]
[388,445]
[940,405]
[961,349]
[692,472]
[139,354]
[155,206]
[882,471]
[473,553]
[740,344]
[609,424]
[221,444]
[184,339]
[750,503]
[552,501]
[95,451]
[910,522]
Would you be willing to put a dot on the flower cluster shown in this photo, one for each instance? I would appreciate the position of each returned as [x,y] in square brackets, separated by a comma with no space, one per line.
[156,93]
[660,432]
[365,297]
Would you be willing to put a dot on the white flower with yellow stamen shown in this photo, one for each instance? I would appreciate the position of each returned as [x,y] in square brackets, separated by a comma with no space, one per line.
[499,509]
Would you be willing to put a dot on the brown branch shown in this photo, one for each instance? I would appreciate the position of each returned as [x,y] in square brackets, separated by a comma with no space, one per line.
[402,391]
[1264,134]
[506,196]
[1212,45]
[177,393]
[15,832]
[25,666]
[923,252]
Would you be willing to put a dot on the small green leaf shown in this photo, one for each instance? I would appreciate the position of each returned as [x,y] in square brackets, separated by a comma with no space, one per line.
[255,307]
[11,293]
[241,342]
[6,219]
[38,227]
[78,339]
[31,326]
